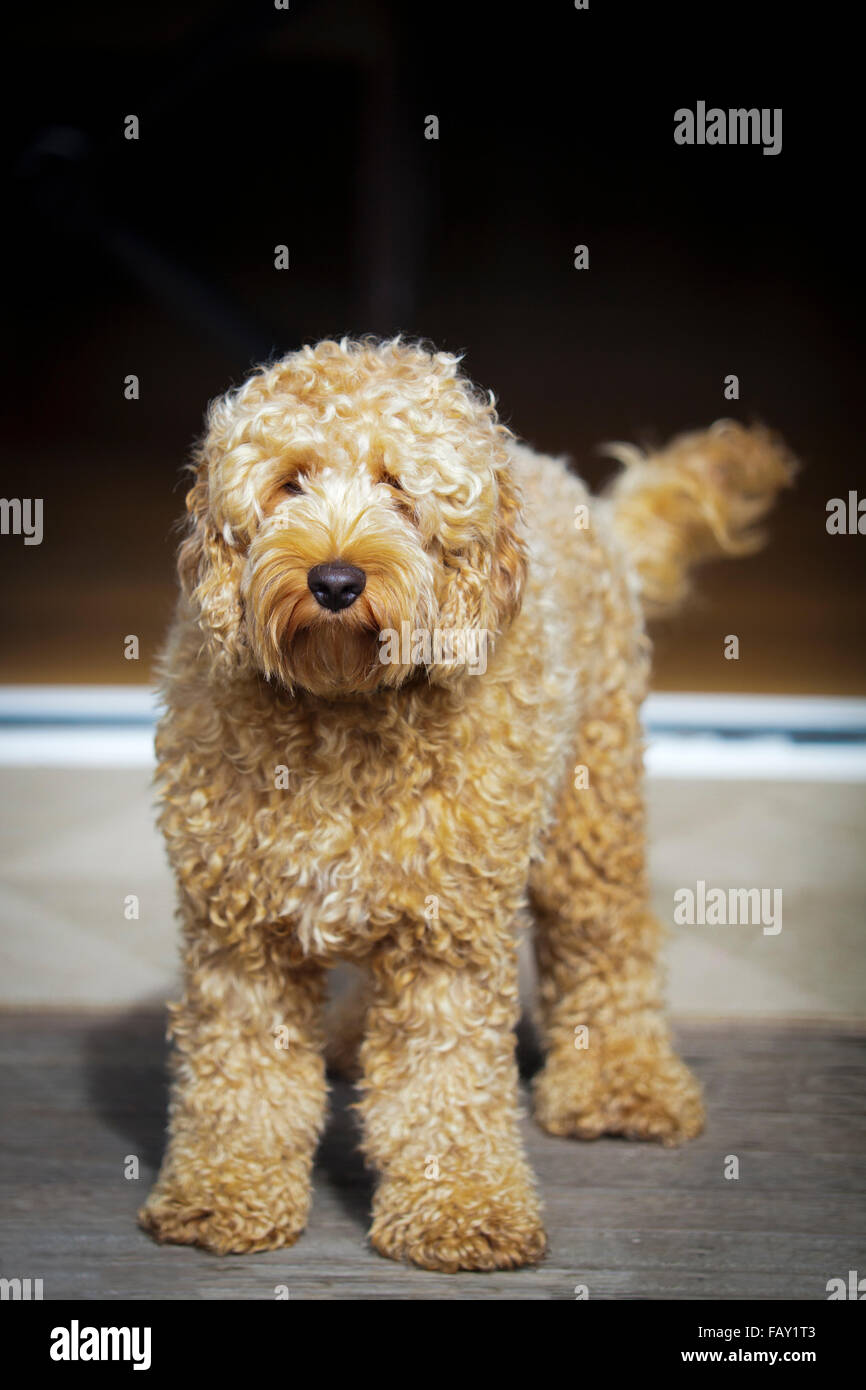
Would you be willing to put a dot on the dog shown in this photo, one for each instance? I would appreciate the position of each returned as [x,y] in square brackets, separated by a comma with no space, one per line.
[344,778]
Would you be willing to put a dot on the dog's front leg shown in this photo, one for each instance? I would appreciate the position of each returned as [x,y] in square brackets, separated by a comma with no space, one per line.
[440,1108]
[247,1102]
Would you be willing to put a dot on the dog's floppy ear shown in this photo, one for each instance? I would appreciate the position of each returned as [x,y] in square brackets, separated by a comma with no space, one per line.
[485,587]
[508,573]
[210,576]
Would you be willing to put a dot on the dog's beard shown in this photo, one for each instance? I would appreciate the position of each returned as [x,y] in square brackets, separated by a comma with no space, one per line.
[301,645]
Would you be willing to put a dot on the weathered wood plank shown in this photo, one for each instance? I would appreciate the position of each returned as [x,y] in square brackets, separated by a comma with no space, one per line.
[79,1093]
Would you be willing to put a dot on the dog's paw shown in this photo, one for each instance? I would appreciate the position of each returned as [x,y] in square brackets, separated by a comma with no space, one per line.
[448,1226]
[635,1087]
[226,1225]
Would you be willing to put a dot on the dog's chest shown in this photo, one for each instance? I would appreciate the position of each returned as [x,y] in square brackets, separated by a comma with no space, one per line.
[350,837]
[341,832]
[339,829]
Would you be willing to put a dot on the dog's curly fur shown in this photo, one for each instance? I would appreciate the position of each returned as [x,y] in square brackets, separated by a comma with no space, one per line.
[320,805]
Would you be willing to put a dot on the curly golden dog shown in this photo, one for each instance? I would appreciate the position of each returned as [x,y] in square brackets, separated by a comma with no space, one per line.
[402,697]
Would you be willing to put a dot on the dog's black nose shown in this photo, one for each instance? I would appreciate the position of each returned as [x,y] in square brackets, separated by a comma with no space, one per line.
[336,586]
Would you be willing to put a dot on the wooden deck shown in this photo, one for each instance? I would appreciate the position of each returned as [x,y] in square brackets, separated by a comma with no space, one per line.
[81,1092]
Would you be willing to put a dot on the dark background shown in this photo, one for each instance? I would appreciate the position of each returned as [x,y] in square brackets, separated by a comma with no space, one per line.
[306,127]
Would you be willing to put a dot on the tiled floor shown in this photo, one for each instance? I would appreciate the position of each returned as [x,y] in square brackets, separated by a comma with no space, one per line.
[77,843]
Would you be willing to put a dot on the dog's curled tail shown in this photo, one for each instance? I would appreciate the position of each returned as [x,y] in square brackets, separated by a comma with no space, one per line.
[699,497]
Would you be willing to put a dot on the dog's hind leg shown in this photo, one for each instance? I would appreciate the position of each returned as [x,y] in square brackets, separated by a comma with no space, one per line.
[610,1064]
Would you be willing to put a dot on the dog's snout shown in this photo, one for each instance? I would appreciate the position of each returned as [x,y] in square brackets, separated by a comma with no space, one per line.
[336,586]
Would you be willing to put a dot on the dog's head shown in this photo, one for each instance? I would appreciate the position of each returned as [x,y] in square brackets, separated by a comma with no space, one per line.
[352,504]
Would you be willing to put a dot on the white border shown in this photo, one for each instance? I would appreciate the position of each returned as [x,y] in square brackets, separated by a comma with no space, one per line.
[818,713]
[705,757]
[96,703]
[107,703]
[112,727]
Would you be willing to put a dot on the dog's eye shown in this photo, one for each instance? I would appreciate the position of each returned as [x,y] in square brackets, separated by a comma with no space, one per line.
[293,486]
